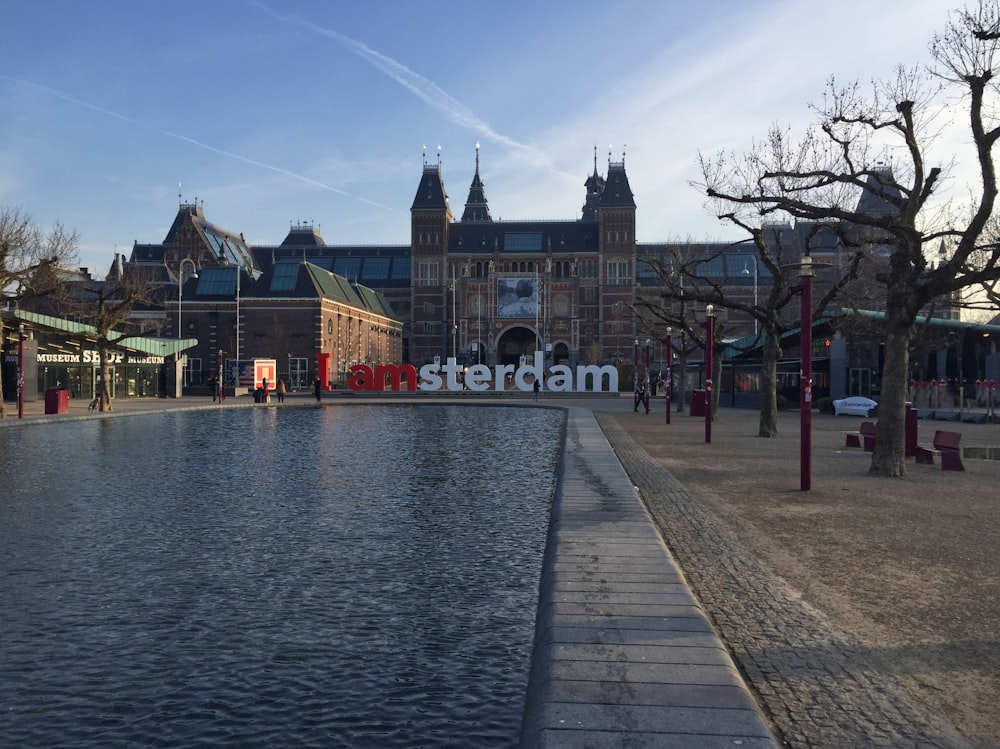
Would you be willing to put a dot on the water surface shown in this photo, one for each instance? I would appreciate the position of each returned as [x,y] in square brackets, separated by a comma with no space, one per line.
[357,576]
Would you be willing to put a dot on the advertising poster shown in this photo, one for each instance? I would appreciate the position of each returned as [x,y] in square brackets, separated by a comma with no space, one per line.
[517,297]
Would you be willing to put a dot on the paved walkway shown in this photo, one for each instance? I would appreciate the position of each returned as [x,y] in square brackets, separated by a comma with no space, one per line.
[624,655]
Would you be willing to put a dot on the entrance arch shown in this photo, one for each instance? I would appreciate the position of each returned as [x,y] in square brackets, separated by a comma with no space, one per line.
[515,342]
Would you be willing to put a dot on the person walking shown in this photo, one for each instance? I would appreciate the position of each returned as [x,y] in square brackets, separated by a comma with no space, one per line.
[279,390]
[536,387]
[316,388]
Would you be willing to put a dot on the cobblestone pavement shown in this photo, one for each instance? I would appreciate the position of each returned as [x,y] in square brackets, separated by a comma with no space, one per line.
[811,677]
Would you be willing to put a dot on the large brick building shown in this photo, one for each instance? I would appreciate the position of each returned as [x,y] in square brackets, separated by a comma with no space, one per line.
[468,286]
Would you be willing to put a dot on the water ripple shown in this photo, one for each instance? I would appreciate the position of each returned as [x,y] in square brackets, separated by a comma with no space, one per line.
[352,576]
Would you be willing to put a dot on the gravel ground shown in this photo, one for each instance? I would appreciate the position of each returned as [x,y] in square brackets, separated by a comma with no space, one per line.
[865,611]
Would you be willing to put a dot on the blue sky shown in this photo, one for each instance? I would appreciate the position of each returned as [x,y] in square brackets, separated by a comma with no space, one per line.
[274,113]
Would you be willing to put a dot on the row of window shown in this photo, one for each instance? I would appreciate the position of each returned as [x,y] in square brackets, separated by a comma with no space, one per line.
[428,272]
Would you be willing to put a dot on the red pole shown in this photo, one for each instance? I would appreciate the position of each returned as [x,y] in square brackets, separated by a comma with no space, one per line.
[670,361]
[709,345]
[805,379]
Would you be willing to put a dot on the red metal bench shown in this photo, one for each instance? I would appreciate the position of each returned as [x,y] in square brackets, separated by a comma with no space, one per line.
[945,445]
[865,434]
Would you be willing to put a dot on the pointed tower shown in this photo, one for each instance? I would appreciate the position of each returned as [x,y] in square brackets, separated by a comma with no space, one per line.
[430,221]
[595,186]
[616,242]
[477,210]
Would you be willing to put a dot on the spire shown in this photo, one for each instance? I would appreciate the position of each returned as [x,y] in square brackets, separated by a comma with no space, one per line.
[595,187]
[477,210]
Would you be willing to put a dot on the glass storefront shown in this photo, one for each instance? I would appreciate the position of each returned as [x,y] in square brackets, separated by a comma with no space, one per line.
[76,367]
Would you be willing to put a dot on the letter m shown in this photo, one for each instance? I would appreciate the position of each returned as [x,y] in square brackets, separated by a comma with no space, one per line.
[394,374]
[597,375]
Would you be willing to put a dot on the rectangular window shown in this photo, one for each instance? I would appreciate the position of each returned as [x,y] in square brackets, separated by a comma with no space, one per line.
[522,242]
[617,273]
[428,274]
[298,373]
[192,372]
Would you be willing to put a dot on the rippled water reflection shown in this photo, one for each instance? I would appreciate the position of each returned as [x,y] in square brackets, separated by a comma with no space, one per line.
[348,576]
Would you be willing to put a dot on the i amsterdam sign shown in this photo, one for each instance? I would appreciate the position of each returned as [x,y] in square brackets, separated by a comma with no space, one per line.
[480,377]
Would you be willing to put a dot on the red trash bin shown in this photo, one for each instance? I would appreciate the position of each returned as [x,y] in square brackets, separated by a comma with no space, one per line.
[698,398]
[57,401]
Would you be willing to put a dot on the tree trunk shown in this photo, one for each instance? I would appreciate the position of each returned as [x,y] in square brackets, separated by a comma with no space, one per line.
[104,393]
[889,456]
[768,425]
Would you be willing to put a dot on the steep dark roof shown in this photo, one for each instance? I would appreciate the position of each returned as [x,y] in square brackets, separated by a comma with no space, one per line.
[303,235]
[617,192]
[881,194]
[430,193]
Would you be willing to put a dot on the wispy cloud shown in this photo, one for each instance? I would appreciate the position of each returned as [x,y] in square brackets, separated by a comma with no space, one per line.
[184,138]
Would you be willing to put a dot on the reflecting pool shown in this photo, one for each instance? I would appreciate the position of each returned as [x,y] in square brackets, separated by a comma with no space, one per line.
[350,576]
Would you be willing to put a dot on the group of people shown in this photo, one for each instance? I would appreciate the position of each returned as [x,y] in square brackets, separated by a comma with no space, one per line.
[263,392]
[279,391]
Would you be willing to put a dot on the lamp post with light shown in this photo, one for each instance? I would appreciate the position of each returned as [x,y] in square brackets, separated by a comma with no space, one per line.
[805,385]
[807,269]
[670,361]
[709,345]
[180,301]
[20,370]
[180,288]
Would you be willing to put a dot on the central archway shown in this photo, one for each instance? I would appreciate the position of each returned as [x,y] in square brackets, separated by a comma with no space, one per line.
[514,343]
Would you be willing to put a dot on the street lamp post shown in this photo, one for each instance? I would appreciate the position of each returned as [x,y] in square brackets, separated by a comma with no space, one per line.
[709,345]
[180,299]
[180,288]
[237,354]
[20,370]
[670,361]
[805,384]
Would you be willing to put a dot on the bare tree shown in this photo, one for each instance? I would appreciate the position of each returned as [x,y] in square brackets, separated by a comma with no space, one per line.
[26,251]
[108,306]
[815,179]
[686,280]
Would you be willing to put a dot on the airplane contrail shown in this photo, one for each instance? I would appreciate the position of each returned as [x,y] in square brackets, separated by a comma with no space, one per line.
[421,87]
[178,136]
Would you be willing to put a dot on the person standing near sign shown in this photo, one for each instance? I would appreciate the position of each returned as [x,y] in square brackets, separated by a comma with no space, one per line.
[536,387]
[316,388]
